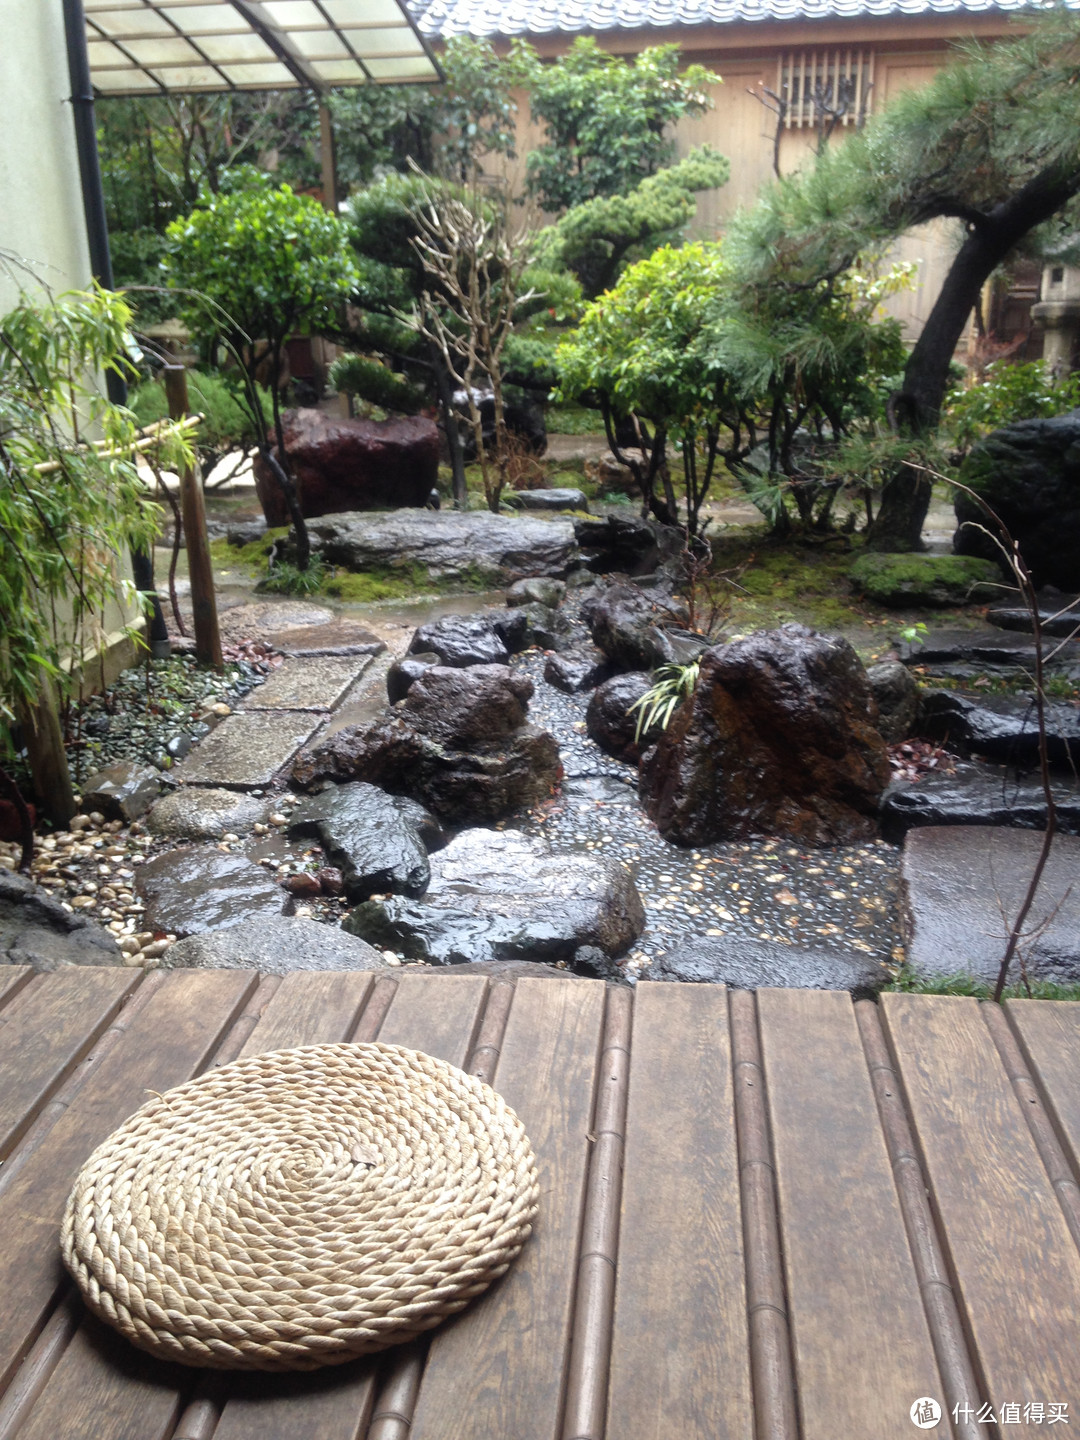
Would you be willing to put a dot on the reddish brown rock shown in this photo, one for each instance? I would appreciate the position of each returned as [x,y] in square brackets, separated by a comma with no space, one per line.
[342,465]
[778,739]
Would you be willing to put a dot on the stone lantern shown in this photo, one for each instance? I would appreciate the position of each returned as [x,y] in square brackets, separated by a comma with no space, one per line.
[1058,312]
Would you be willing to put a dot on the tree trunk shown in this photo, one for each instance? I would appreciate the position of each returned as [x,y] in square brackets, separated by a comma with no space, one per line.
[45,751]
[445,391]
[906,495]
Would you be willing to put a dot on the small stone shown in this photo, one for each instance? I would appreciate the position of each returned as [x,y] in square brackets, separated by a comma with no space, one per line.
[130,945]
[260,829]
[97,818]
[144,937]
[306,885]
[79,823]
[83,902]
[278,819]
[221,708]
[331,881]
[229,836]
[155,949]
[132,959]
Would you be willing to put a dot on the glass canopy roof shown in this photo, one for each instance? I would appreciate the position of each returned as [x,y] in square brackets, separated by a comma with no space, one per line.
[149,47]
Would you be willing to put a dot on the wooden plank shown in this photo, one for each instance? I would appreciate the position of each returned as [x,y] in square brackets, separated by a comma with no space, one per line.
[171,1038]
[1017,1268]
[860,1339]
[310,1008]
[438,1016]
[1049,1036]
[45,1034]
[680,1361]
[497,1370]
[104,1387]
[12,980]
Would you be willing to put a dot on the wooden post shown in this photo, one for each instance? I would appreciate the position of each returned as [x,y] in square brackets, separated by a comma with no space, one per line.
[44,740]
[326,155]
[200,569]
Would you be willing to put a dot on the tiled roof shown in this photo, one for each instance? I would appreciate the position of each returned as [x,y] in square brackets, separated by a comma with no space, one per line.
[443,18]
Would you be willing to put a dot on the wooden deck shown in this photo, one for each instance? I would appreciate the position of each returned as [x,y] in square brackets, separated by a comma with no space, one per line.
[781,1217]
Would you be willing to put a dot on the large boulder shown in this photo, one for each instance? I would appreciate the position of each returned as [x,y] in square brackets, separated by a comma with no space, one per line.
[36,930]
[635,632]
[347,465]
[379,842]
[1029,474]
[622,544]
[462,640]
[779,738]
[457,743]
[907,581]
[498,895]
[464,547]
[612,724]
[1001,727]
[578,669]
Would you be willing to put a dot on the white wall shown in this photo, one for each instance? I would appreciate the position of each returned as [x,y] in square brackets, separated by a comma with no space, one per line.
[41,214]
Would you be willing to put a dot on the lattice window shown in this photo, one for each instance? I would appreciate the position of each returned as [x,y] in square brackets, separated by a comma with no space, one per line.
[825,87]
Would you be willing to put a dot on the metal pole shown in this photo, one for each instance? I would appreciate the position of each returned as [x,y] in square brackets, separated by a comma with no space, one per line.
[200,567]
[97,235]
[328,158]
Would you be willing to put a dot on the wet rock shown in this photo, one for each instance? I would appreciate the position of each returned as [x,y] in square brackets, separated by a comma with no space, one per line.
[621,544]
[36,930]
[379,842]
[610,723]
[552,499]
[778,739]
[574,671]
[274,946]
[496,895]
[404,672]
[985,648]
[331,880]
[1008,615]
[635,632]
[190,890]
[340,636]
[897,695]
[537,591]
[123,791]
[247,532]
[1029,474]
[348,465]
[957,884]
[312,683]
[546,629]
[179,747]
[449,545]
[487,780]
[1001,727]
[302,886]
[455,707]
[909,581]
[754,964]
[461,640]
[976,794]
[193,813]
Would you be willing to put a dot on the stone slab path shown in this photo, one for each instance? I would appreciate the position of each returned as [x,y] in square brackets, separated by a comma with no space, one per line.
[247,751]
[318,683]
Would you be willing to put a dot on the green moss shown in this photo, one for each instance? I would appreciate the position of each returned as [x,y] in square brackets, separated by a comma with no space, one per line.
[774,582]
[901,581]
[251,557]
[573,420]
[365,587]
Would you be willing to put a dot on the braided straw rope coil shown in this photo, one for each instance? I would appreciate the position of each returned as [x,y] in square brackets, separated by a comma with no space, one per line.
[301,1207]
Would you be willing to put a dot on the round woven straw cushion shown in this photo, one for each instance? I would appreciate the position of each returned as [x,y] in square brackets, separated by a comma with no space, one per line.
[301,1207]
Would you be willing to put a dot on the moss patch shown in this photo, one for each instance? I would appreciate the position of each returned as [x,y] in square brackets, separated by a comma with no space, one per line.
[911,984]
[905,581]
[251,557]
[773,582]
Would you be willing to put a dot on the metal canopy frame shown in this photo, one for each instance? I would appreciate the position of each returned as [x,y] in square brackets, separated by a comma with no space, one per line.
[156,47]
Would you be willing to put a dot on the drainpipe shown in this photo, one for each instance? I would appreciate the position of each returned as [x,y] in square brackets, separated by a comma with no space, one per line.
[97,234]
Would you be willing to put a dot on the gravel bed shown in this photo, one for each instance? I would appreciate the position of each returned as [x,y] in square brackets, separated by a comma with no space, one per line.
[763,890]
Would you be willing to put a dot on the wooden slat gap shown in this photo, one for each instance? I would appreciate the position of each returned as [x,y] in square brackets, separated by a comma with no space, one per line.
[585,1401]
[960,1377]
[39,1363]
[392,1417]
[487,1041]
[103,1047]
[14,981]
[1052,1153]
[370,1019]
[237,1036]
[772,1372]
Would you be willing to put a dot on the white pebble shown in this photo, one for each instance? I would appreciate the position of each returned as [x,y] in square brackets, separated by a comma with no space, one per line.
[155,949]
[277,818]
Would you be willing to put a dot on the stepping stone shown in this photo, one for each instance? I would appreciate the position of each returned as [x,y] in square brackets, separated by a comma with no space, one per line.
[1002,727]
[190,890]
[317,683]
[754,964]
[338,636]
[274,946]
[958,885]
[984,647]
[246,751]
[975,794]
[1010,616]
[193,813]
